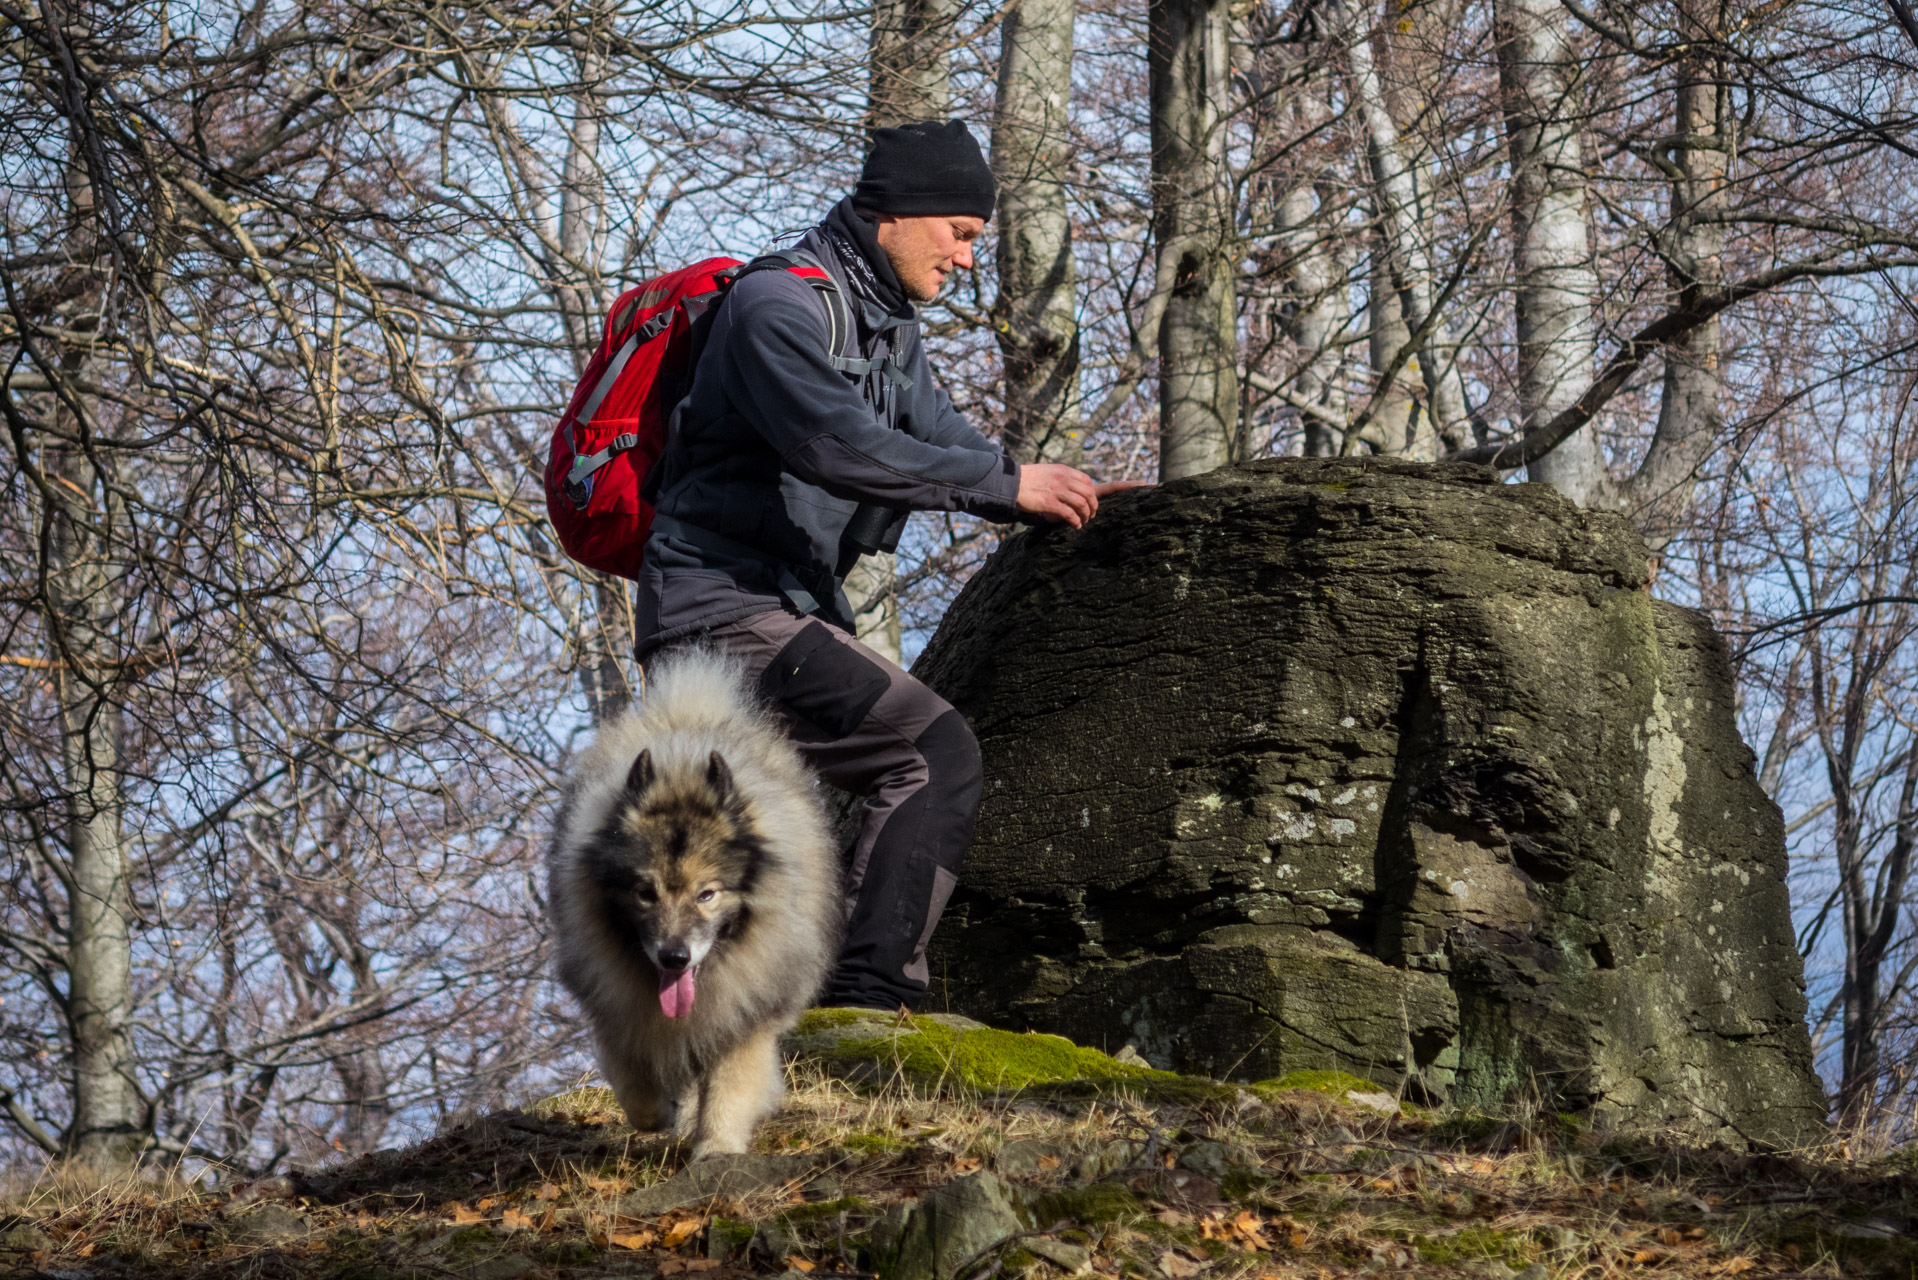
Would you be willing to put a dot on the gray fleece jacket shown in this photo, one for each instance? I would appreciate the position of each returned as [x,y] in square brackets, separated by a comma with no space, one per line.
[774,448]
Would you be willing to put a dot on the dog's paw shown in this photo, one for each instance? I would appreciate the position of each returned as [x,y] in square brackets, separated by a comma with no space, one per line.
[718,1147]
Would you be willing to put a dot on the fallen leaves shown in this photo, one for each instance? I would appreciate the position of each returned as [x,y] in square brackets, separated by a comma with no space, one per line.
[1737,1266]
[1176,1265]
[796,1263]
[631,1239]
[461,1215]
[677,1231]
[679,1266]
[513,1220]
[1245,1230]
[967,1164]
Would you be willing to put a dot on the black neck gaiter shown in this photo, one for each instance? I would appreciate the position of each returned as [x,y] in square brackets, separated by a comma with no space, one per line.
[856,239]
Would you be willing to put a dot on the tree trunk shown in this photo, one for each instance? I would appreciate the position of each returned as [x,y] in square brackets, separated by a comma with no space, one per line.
[1036,313]
[872,590]
[1403,221]
[1552,263]
[1396,408]
[1189,59]
[910,61]
[1316,276]
[606,665]
[911,69]
[108,1112]
[1689,419]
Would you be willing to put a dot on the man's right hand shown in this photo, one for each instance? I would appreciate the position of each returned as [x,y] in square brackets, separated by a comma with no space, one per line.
[1053,491]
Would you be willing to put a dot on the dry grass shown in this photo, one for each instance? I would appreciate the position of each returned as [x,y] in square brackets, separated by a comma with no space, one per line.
[1318,1189]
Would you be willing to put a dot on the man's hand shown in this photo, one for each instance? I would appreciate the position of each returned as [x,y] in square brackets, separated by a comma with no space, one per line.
[1057,492]
[1053,491]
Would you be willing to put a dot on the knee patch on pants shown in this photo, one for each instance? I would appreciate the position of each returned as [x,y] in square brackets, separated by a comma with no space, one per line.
[955,780]
[828,683]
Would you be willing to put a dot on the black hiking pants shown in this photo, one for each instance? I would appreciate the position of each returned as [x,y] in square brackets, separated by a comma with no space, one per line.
[869,728]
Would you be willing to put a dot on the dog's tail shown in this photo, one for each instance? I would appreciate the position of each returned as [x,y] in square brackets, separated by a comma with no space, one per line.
[695,689]
[696,704]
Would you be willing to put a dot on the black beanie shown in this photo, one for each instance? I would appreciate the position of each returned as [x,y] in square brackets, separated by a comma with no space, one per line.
[925,170]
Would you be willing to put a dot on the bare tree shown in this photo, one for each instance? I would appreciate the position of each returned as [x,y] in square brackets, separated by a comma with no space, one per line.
[1189,52]
[1555,282]
[1035,316]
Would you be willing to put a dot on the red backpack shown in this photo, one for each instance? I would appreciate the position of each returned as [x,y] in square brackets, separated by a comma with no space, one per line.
[614,429]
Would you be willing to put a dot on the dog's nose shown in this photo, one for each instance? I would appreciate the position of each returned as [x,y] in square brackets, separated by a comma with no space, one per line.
[674,956]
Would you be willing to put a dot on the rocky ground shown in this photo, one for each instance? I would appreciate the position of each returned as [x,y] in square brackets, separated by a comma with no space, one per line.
[934,1150]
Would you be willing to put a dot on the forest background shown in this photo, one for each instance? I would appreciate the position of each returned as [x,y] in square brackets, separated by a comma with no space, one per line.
[290,666]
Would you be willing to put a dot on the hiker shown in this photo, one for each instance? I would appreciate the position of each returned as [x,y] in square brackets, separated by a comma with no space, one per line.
[788,459]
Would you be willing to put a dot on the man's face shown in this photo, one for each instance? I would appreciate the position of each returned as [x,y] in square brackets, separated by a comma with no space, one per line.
[924,251]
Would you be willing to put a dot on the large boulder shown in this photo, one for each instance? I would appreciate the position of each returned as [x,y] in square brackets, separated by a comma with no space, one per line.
[1379,767]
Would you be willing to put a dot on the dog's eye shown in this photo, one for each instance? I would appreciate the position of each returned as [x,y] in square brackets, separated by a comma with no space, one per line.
[707,895]
[648,894]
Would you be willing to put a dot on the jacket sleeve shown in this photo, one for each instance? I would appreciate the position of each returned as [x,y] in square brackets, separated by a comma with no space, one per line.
[782,382]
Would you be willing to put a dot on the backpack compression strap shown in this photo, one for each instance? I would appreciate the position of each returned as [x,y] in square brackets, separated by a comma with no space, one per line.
[578,491]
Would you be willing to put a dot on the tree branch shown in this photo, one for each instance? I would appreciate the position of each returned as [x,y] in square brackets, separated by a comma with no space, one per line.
[1541,440]
[27,1124]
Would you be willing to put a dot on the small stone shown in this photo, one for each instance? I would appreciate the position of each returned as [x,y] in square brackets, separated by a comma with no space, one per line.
[269,1224]
[1216,1159]
[954,1224]
[715,1177]
[1561,1240]
[24,1237]
[1131,1057]
[1865,1229]
[1537,1271]
[1383,1102]
[1030,1158]
[1107,1157]
[888,1232]
[510,1266]
[1069,1258]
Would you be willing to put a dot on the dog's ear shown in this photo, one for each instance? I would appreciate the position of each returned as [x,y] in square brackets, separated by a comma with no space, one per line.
[640,777]
[719,777]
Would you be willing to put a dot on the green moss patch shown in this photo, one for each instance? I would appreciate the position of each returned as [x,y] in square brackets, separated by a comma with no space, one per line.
[1335,1083]
[942,1048]
[1089,1206]
[1470,1244]
[814,1021]
[872,1144]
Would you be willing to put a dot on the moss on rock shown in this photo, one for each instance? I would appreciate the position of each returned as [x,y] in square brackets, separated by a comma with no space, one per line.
[940,1048]
[1336,1083]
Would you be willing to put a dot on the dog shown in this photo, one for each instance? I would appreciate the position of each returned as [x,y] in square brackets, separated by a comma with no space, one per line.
[695,899]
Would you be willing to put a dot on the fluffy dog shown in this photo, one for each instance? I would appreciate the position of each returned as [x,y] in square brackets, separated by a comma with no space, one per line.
[695,900]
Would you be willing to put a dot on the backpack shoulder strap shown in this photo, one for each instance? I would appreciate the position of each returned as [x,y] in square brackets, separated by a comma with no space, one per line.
[846,356]
[803,265]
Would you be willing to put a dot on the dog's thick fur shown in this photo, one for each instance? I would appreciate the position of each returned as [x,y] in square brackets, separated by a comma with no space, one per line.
[694,792]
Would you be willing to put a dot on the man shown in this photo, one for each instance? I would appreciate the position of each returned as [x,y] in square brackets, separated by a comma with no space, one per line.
[787,459]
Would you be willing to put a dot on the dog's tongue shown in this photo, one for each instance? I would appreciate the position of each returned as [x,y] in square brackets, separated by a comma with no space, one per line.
[676,992]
